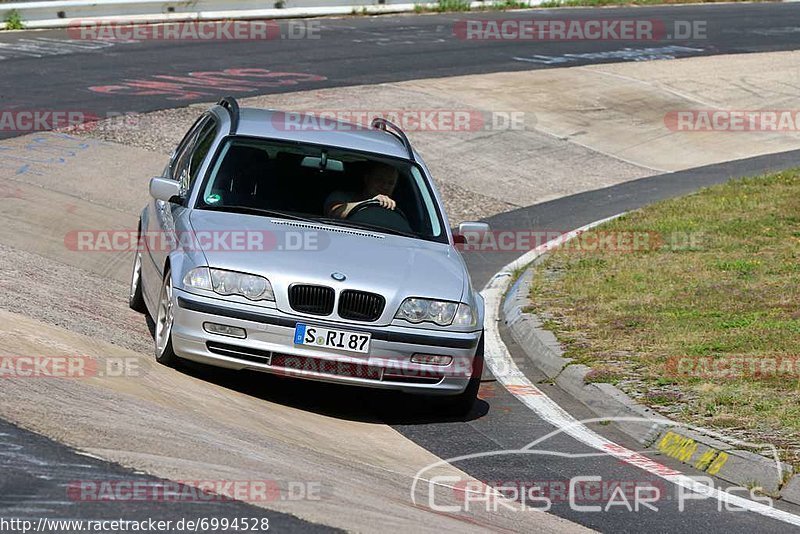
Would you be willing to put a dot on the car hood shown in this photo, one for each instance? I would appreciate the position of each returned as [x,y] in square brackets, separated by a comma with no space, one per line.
[299,252]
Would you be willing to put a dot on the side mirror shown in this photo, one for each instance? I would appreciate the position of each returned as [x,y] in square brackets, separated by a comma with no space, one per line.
[467,229]
[164,189]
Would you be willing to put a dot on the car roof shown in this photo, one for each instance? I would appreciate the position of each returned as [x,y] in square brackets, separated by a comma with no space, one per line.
[303,127]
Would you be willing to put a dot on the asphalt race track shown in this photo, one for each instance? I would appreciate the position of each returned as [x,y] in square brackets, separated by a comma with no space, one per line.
[31,488]
[47,74]
[45,70]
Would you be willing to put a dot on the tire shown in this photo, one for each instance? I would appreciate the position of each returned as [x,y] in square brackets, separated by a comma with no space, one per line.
[135,297]
[461,405]
[164,321]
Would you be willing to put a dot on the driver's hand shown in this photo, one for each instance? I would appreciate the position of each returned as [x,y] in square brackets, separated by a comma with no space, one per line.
[385,201]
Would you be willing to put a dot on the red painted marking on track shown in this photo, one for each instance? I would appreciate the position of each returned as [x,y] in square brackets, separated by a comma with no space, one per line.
[204,84]
[523,390]
[639,460]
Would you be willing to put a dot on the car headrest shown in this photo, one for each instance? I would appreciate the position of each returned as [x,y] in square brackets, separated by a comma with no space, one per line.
[242,168]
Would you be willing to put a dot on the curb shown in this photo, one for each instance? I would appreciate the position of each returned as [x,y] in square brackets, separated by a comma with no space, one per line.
[726,458]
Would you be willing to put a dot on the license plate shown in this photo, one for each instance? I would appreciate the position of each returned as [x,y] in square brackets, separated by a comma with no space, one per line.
[329,338]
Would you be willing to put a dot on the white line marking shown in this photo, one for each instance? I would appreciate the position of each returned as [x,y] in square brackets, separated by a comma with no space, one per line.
[509,375]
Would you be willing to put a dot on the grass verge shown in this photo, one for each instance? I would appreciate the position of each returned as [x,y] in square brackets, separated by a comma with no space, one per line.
[13,20]
[602,3]
[443,6]
[692,306]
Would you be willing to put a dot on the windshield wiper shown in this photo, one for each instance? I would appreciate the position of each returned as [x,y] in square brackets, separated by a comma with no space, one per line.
[372,227]
[258,211]
[326,220]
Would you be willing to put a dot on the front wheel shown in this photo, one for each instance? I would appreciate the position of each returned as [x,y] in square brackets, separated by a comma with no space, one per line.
[461,404]
[164,320]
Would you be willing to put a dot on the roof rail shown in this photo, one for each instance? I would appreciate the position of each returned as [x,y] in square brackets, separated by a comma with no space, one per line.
[230,103]
[379,123]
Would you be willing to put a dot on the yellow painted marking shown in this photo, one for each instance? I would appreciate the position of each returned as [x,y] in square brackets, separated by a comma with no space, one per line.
[717,464]
[677,447]
[682,448]
[706,459]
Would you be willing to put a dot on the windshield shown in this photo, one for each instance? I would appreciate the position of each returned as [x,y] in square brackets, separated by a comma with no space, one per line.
[322,184]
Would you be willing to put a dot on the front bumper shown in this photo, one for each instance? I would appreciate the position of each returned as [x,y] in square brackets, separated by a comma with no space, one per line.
[269,347]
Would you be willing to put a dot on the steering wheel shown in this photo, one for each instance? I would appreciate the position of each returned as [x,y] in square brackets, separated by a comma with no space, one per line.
[361,206]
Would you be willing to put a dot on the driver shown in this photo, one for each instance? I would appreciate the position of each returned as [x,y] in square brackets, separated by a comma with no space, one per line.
[379,183]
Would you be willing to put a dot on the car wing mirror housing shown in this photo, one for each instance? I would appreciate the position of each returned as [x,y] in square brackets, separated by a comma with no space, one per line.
[469,231]
[165,189]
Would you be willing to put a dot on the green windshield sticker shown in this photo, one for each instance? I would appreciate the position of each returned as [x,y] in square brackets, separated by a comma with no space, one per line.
[213,199]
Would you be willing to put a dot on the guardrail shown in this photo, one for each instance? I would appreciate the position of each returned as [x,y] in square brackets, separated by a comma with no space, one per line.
[61,13]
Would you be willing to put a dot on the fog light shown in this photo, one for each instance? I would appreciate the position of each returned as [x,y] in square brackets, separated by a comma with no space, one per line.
[224,330]
[432,359]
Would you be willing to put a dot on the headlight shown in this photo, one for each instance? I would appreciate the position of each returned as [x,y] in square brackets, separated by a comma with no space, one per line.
[250,286]
[416,310]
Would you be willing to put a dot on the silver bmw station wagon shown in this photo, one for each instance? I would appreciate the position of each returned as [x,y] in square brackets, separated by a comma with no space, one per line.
[317,252]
